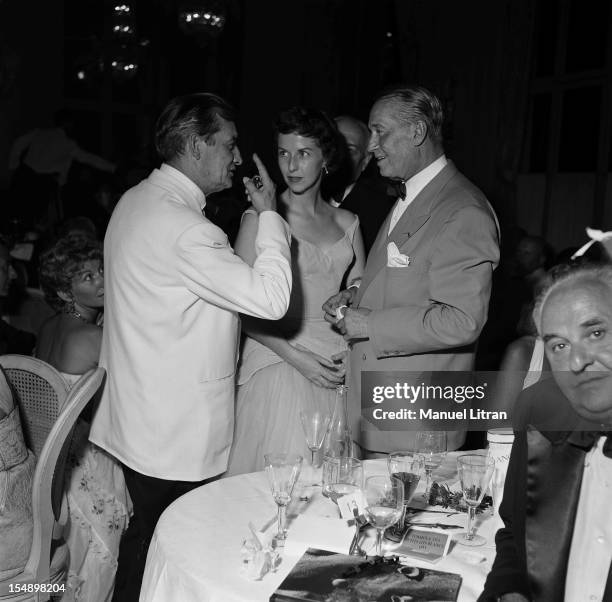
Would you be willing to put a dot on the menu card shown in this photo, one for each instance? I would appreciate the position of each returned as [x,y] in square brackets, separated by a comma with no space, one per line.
[425,544]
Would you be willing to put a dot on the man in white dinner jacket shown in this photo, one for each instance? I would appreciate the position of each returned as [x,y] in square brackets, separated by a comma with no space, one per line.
[173,291]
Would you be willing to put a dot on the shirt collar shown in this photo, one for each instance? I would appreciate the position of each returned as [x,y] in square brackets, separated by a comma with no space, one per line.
[419,180]
[190,190]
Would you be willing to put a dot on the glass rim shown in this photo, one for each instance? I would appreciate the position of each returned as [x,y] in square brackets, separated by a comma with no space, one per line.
[388,477]
[483,460]
[287,457]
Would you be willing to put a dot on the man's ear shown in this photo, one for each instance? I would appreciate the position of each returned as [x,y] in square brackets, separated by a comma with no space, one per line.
[193,146]
[65,297]
[419,133]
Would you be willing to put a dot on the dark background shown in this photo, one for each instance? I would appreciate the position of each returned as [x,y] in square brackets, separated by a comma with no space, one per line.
[527,85]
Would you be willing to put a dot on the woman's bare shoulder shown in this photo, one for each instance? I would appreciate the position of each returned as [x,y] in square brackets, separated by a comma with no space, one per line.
[344,218]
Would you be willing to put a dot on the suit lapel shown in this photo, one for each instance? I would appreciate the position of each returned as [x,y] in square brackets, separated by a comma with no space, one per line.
[413,219]
[554,475]
[377,258]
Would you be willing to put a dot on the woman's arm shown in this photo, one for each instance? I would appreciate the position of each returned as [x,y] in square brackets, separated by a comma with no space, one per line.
[356,271]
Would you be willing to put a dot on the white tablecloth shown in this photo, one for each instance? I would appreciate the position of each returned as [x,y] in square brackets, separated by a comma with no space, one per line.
[195,552]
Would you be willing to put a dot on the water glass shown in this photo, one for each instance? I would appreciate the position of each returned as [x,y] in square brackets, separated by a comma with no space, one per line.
[283,471]
[475,472]
[384,496]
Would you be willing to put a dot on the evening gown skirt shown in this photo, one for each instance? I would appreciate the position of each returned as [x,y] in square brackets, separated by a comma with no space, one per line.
[99,508]
[271,392]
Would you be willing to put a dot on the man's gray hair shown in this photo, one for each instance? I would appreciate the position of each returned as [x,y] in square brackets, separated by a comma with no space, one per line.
[575,276]
[416,103]
[189,115]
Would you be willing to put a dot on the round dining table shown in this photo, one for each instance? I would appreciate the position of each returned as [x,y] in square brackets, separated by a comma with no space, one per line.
[195,554]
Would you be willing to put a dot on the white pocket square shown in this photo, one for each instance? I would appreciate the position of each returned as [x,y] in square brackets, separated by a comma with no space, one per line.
[395,259]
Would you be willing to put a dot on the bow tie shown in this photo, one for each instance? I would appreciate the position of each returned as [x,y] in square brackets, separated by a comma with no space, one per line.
[396,189]
[587,439]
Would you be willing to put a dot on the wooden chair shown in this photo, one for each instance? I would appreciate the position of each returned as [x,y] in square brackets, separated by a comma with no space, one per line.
[40,392]
[37,569]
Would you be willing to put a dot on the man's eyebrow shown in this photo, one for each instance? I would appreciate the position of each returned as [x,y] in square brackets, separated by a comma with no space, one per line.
[547,337]
[592,322]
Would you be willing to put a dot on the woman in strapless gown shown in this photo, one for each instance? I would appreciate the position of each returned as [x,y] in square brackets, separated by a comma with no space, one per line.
[99,506]
[287,365]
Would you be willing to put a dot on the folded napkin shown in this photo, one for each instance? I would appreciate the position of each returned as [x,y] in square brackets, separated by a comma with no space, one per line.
[258,555]
[395,259]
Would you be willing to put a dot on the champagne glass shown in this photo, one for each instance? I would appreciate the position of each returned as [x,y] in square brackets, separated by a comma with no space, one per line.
[432,446]
[384,504]
[283,471]
[408,467]
[346,477]
[475,472]
[314,422]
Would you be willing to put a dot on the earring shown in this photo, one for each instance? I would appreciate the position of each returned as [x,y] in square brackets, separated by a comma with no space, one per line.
[325,170]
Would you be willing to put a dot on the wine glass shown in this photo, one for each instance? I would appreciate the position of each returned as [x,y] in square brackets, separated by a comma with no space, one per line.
[408,467]
[475,472]
[283,471]
[384,504]
[432,446]
[346,477]
[314,422]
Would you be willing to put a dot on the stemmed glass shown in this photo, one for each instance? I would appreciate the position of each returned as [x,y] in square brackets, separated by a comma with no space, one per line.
[432,446]
[475,472]
[384,504]
[345,477]
[314,422]
[283,471]
[408,467]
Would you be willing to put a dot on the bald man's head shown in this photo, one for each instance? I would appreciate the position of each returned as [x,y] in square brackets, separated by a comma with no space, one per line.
[357,135]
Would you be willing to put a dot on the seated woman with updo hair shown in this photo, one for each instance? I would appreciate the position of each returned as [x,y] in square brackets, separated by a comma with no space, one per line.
[72,278]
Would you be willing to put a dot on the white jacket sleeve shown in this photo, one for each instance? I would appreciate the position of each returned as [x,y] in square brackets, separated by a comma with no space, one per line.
[212,271]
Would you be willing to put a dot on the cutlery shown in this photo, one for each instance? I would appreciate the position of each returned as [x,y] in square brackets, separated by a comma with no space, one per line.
[434,525]
[413,510]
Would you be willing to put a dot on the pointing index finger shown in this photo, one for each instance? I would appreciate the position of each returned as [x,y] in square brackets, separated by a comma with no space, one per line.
[263,172]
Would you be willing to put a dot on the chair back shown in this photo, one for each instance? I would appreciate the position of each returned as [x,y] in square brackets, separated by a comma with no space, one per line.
[38,564]
[39,391]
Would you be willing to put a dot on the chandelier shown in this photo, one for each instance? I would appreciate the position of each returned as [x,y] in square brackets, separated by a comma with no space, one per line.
[202,17]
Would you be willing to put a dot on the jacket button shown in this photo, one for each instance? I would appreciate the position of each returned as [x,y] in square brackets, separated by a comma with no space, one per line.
[363,357]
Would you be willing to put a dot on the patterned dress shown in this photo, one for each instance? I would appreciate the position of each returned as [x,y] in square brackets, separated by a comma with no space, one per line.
[99,508]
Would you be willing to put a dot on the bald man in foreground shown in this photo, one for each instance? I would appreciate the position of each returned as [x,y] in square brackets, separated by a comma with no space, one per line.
[556,543]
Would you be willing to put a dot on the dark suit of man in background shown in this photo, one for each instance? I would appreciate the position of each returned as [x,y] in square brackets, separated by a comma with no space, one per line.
[367,194]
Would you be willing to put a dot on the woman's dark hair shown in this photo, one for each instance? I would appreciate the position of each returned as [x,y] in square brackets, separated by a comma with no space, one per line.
[314,124]
[64,260]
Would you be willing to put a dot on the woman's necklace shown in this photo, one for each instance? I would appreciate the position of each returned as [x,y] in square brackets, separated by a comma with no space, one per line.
[75,314]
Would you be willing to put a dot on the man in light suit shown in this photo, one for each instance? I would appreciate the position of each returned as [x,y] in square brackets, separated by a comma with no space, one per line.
[424,295]
[173,291]
[556,543]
